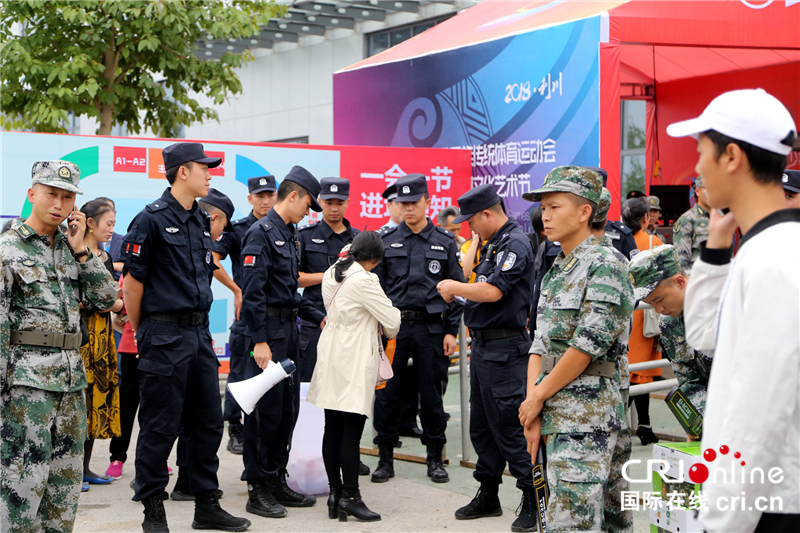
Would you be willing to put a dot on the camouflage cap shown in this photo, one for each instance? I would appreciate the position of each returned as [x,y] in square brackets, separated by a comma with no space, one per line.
[579,181]
[59,174]
[698,182]
[601,215]
[650,267]
[653,202]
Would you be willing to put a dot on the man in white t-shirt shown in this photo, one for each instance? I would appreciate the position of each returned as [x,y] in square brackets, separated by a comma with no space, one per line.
[748,310]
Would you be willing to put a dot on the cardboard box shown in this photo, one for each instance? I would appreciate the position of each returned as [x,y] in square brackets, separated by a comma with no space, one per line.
[673,520]
[680,456]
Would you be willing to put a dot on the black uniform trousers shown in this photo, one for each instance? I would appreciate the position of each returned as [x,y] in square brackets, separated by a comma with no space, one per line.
[178,384]
[238,364]
[416,342]
[498,378]
[268,429]
[309,337]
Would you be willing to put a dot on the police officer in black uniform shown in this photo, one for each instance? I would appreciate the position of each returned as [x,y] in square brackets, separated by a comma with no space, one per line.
[270,307]
[320,245]
[168,269]
[418,256]
[262,191]
[496,312]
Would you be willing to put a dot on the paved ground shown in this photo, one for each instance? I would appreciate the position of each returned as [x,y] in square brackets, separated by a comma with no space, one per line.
[409,502]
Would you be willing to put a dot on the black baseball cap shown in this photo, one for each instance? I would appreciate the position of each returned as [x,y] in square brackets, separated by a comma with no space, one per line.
[334,189]
[411,187]
[391,192]
[220,201]
[476,200]
[791,180]
[306,180]
[602,172]
[179,153]
[636,194]
[261,184]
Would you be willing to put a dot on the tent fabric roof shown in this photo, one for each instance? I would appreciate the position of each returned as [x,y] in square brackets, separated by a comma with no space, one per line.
[688,38]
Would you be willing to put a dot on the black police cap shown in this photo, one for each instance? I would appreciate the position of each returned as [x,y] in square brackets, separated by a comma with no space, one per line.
[791,180]
[390,192]
[411,187]
[222,202]
[261,184]
[179,153]
[334,189]
[306,180]
[602,172]
[476,200]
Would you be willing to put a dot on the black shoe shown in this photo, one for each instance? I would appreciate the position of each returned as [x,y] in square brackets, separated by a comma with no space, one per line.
[260,500]
[333,502]
[646,435]
[353,505]
[447,416]
[283,494]
[363,470]
[485,503]
[527,516]
[181,493]
[398,444]
[385,469]
[155,519]
[235,437]
[413,432]
[209,515]
[436,470]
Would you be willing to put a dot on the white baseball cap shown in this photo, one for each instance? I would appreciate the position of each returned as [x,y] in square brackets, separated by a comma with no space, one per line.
[750,115]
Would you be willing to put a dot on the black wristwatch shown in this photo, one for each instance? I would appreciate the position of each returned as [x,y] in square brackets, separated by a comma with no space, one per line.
[84,253]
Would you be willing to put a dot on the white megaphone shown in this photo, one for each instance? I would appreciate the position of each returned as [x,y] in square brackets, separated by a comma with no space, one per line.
[248,392]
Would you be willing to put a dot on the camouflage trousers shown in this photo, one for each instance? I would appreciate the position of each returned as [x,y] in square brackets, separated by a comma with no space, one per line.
[578,471]
[41,458]
[617,520]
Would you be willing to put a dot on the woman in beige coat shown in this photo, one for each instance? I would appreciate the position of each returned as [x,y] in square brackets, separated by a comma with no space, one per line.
[346,372]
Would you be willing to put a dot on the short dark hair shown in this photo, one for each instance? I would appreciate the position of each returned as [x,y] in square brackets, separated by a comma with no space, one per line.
[767,167]
[599,225]
[367,246]
[210,209]
[633,210]
[287,187]
[172,173]
[580,200]
[536,220]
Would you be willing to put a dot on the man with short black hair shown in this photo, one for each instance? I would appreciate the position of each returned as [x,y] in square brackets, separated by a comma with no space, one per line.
[791,186]
[748,311]
[395,215]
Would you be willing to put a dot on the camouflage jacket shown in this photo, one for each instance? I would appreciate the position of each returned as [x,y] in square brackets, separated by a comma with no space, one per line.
[688,232]
[586,303]
[622,374]
[692,368]
[39,291]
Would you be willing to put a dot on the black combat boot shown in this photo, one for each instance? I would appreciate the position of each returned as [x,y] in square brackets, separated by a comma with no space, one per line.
[436,470]
[260,500]
[351,504]
[646,435]
[385,469]
[333,501]
[363,470]
[527,519]
[209,515]
[286,496]
[485,503]
[182,492]
[235,437]
[155,519]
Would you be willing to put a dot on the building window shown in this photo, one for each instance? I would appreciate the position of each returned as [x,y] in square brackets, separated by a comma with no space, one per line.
[634,126]
[383,40]
[73,123]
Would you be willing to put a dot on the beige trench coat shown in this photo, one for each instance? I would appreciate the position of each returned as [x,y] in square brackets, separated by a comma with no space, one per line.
[348,350]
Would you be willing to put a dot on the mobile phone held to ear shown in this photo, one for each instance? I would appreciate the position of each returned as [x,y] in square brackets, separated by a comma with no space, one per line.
[723,212]
[73,228]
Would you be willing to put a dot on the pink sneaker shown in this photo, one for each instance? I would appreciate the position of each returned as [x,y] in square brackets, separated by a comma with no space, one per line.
[169,470]
[114,470]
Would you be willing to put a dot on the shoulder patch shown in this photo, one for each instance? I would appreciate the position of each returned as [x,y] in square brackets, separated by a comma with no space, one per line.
[266,225]
[510,259]
[307,227]
[384,231]
[444,231]
[570,264]
[240,221]
[622,227]
[23,231]
[158,205]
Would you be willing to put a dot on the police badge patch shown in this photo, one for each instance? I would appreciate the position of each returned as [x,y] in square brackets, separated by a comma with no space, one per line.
[481,279]
[280,243]
[318,241]
[434,267]
[406,189]
[208,257]
[334,188]
[511,258]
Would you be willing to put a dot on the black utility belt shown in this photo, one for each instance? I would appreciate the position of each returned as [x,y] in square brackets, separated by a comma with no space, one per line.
[414,314]
[194,318]
[47,339]
[285,313]
[595,368]
[483,335]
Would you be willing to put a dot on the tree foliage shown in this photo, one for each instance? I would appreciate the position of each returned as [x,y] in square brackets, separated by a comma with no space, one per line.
[100,58]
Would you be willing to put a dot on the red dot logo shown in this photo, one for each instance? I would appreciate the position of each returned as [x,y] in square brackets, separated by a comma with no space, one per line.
[698,473]
[709,455]
[723,450]
[742,463]
[737,455]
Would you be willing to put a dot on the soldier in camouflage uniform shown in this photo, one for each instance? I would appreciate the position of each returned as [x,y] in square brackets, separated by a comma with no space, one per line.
[659,281]
[616,519]
[45,273]
[691,229]
[584,313]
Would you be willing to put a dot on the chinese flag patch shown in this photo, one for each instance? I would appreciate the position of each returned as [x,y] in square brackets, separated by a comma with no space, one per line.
[249,260]
[137,248]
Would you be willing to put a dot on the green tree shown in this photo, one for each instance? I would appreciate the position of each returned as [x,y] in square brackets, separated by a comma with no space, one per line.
[99,58]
